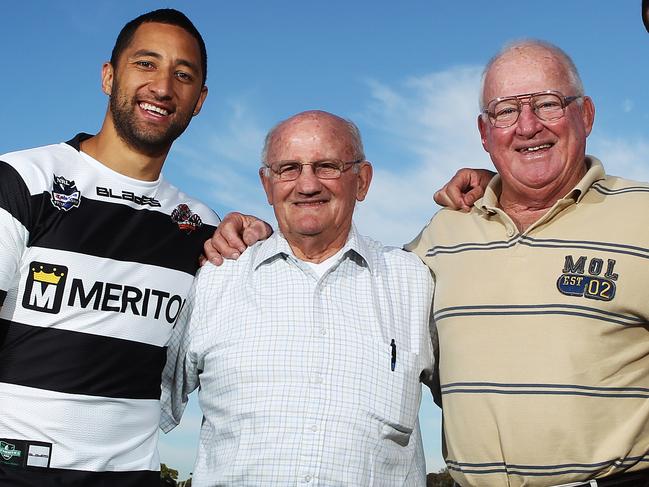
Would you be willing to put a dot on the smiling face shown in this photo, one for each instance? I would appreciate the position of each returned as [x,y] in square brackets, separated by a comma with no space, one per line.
[156,87]
[539,161]
[308,207]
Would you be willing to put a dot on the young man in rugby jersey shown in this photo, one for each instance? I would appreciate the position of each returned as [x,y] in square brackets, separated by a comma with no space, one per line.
[97,254]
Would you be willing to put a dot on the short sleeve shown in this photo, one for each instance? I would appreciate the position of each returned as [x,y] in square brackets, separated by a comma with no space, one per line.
[15,221]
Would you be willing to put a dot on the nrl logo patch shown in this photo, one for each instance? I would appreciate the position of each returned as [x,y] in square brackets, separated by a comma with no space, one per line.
[587,281]
[65,194]
[8,451]
[187,220]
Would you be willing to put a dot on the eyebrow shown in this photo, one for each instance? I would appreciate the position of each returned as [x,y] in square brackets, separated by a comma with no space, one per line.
[153,54]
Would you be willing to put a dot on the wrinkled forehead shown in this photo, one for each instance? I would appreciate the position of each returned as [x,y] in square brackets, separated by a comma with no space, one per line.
[311,138]
[526,71]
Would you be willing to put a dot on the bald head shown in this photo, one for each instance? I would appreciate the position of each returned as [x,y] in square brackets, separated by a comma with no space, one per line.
[337,127]
[555,61]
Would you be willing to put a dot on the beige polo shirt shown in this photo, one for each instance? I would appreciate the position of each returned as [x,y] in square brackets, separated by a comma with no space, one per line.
[544,336]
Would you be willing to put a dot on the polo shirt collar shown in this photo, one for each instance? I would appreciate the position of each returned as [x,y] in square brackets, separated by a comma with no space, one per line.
[595,172]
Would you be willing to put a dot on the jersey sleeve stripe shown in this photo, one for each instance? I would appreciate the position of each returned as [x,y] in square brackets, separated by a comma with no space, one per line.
[14,195]
[110,367]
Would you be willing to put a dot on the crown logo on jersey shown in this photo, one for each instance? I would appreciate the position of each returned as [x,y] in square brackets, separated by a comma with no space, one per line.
[47,277]
[65,194]
[44,287]
[186,219]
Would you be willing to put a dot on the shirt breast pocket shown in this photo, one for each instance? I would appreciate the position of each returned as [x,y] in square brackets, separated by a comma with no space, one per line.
[392,394]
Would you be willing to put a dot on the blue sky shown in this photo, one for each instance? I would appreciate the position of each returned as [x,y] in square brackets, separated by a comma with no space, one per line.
[407,72]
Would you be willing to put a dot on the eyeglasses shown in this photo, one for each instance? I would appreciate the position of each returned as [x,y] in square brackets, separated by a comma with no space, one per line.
[326,169]
[547,105]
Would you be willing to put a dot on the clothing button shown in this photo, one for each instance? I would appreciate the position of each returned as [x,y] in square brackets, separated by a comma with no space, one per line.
[314,428]
[510,232]
[307,478]
[317,379]
[323,331]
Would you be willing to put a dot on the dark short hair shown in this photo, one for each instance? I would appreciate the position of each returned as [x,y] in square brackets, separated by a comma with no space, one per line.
[168,16]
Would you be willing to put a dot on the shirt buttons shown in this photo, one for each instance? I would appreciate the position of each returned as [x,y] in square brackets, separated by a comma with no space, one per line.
[314,428]
[323,331]
[307,478]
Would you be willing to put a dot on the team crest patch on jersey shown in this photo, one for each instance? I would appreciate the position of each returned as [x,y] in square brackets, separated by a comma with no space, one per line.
[44,287]
[186,219]
[65,194]
[589,279]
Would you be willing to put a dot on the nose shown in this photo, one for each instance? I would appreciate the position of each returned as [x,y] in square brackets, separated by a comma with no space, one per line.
[528,124]
[307,182]
[161,84]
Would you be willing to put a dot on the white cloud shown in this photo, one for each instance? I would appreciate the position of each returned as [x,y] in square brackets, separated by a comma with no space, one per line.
[228,159]
[622,157]
[431,121]
[627,105]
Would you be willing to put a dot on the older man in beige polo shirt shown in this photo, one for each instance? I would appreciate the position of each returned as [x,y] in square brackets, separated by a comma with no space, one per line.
[541,303]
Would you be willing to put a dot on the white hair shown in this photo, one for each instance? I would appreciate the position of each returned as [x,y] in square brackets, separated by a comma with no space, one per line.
[573,75]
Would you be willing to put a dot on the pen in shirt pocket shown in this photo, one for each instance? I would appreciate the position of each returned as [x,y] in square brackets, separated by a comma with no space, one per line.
[393,358]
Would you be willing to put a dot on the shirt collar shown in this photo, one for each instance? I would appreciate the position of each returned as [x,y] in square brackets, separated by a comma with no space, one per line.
[595,172]
[276,246]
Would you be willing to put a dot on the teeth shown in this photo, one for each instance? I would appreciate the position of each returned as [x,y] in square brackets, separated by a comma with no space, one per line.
[153,108]
[538,147]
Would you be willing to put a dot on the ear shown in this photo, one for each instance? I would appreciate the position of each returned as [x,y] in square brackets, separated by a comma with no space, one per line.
[588,114]
[107,78]
[201,100]
[482,128]
[363,180]
[267,184]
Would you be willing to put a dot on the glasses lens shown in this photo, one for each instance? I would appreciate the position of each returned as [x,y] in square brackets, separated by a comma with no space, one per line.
[328,169]
[504,113]
[547,106]
[287,171]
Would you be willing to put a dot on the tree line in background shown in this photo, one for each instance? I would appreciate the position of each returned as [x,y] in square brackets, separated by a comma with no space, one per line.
[169,478]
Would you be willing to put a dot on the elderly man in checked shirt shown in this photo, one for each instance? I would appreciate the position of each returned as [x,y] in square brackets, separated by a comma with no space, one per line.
[308,351]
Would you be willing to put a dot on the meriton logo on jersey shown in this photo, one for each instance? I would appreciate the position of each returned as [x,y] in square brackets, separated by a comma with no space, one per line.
[45,290]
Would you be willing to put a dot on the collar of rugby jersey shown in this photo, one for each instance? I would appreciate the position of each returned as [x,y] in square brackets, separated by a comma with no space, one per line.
[489,202]
[276,246]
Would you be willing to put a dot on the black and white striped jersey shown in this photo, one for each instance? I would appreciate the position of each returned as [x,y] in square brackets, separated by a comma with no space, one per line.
[94,269]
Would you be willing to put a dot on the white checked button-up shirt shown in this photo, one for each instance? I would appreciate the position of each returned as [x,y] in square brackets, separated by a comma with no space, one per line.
[295,373]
